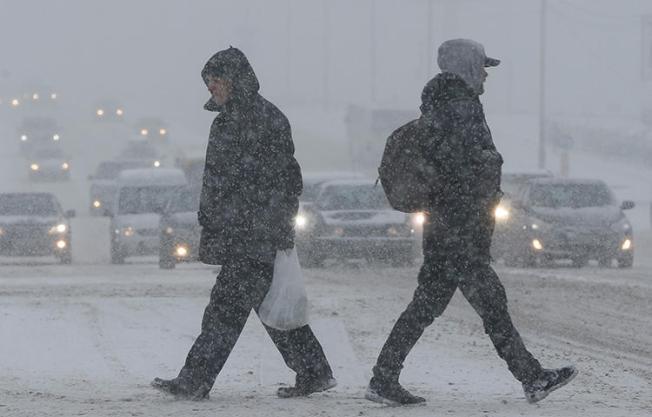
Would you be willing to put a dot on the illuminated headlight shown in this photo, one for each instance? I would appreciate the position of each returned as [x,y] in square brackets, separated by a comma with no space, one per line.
[59,228]
[501,213]
[144,132]
[119,112]
[34,167]
[301,221]
[393,231]
[169,230]
[536,244]
[157,164]
[100,112]
[53,96]
[627,244]
[97,204]
[535,226]
[162,132]
[181,251]
[35,96]
[61,244]
[419,219]
[2,232]
[56,137]
[65,166]
[128,231]
[15,102]
[23,138]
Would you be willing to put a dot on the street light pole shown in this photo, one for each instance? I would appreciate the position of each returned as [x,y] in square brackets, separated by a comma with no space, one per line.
[542,85]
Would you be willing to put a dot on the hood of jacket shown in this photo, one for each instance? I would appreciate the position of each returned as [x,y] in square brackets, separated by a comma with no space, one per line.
[232,65]
[444,87]
[467,59]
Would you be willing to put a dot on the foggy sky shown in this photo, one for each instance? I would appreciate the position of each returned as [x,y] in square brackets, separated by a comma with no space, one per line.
[148,54]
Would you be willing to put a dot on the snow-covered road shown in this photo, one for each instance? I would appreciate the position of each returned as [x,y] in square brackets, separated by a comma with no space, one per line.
[87,339]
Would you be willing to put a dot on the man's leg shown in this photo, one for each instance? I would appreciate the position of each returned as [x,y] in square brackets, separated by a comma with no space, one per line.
[240,286]
[437,284]
[303,353]
[484,291]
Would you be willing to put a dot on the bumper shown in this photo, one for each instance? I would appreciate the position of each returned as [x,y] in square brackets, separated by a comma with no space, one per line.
[351,247]
[35,246]
[138,246]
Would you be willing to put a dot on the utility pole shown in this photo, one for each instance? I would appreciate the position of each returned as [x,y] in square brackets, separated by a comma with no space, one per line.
[542,84]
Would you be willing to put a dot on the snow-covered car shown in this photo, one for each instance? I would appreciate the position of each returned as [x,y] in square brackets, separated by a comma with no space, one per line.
[33,224]
[506,214]
[179,229]
[38,131]
[136,210]
[575,219]
[48,164]
[353,219]
[104,183]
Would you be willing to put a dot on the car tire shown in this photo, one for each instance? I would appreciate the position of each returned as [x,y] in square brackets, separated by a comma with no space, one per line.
[625,262]
[117,255]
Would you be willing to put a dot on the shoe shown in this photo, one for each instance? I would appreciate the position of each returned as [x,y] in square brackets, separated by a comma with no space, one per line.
[305,387]
[390,393]
[181,389]
[548,381]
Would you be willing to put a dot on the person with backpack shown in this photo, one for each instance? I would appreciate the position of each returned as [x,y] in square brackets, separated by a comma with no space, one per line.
[445,163]
[249,199]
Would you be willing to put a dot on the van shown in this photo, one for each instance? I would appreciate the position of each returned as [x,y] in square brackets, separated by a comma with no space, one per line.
[135,212]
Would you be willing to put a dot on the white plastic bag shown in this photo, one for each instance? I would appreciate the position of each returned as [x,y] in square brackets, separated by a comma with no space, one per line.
[285,306]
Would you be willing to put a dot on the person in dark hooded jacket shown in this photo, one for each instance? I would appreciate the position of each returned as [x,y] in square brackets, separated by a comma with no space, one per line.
[458,147]
[247,207]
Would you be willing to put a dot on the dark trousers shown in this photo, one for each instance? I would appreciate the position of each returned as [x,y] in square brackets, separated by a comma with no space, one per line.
[242,285]
[456,255]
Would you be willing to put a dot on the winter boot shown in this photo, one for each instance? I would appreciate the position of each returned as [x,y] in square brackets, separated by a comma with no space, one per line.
[547,382]
[305,386]
[181,389]
[390,393]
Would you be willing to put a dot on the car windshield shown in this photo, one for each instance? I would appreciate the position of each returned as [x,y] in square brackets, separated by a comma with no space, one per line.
[353,197]
[146,199]
[110,170]
[571,195]
[184,201]
[27,205]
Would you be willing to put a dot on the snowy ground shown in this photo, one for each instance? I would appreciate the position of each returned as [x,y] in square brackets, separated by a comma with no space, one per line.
[87,339]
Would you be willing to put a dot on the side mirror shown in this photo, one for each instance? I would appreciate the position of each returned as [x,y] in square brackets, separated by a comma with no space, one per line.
[69,214]
[627,205]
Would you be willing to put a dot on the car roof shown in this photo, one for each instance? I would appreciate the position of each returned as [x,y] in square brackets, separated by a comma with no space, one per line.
[152,176]
[566,181]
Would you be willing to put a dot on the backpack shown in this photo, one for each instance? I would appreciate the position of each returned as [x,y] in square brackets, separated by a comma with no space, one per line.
[403,170]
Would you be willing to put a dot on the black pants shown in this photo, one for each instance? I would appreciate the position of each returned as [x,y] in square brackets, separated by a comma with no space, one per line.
[242,285]
[457,255]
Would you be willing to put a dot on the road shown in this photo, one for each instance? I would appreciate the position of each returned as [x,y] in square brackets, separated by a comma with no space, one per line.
[86,339]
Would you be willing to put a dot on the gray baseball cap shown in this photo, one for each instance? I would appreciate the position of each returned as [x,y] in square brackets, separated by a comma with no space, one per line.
[462,49]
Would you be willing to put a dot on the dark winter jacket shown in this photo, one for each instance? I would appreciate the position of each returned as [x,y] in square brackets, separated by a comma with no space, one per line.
[458,144]
[251,179]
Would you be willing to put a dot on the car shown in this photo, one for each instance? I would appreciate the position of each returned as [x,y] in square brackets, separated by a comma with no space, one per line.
[571,219]
[108,110]
[506,215]
[33,224]
[103,183]
[38,131]
[353,219]
[179,229]
[153,129]
[48,163]
[140,199]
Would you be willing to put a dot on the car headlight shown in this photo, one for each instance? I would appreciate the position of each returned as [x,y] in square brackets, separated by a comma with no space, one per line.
[181,251]
[128,231]
[23,138]
[501,213]
[100,112]
[537,225]
[301,221]
[626,245]
[65,166]
[2,232]
[419,219]
[169,230]
[59,228]
[97,203]
[119,112]
[144,132]
[162,132]
[34,167]
[157,164]
[56,137]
